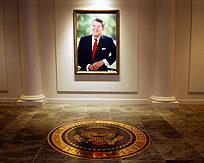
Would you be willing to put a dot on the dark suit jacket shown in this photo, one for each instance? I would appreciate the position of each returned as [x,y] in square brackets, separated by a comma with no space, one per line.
[106,49]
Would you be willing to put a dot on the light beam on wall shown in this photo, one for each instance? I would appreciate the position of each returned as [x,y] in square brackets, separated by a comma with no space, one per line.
[96,4]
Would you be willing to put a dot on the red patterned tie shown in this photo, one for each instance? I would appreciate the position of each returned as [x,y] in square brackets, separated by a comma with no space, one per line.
[94,48]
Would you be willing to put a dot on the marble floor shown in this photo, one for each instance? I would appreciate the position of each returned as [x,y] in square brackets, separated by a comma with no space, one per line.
[177,133]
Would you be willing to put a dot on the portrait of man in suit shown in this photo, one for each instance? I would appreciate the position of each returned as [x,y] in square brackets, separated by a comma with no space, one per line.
[96,51]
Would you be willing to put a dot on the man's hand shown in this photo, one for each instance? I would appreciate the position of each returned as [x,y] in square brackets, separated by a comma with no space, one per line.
[96,65]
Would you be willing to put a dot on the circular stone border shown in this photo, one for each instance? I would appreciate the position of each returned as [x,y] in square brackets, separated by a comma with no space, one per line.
[98,139]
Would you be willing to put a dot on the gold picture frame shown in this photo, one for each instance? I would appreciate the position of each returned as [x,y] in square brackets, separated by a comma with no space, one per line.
[82,27]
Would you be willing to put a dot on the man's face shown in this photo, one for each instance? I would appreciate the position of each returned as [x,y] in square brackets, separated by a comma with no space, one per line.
[97,29]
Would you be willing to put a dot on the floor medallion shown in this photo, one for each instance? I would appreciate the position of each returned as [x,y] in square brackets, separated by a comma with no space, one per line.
[98,139]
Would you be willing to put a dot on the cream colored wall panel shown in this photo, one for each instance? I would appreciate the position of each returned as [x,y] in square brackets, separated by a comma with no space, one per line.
[196,81]
[127,81]
[12,49]
[47,47]
[145,57]
[3,69]
[182,50]
[182,54]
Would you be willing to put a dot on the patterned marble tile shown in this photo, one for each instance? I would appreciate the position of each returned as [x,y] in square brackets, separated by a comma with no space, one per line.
[149,154]
[178,151]
[177,133]
[127,117]
[98,115]
[121,108]
[97,108]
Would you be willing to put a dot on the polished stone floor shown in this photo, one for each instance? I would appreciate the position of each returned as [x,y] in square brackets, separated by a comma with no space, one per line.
[177,133]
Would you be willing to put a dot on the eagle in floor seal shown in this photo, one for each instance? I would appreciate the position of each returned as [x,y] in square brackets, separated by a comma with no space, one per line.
[98,139]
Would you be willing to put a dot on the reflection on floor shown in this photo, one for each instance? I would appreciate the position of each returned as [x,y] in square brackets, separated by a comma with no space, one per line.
[177,133]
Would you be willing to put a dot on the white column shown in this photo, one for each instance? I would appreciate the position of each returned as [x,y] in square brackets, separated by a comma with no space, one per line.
[164,54]
[30,54]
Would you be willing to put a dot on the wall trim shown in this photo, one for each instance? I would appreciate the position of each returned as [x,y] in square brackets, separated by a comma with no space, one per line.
[91,100]
[8,100]
[97,92]
[191,101]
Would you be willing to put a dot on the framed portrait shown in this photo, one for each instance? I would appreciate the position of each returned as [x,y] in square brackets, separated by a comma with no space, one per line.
[96,42]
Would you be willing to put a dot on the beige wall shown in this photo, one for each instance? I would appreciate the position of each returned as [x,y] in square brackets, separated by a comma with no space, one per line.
[11,42]
[183,55]
[59,83]
[196,79]
[128,49]
[3,73]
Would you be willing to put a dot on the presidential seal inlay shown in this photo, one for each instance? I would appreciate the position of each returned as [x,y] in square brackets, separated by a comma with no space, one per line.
[98,139]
